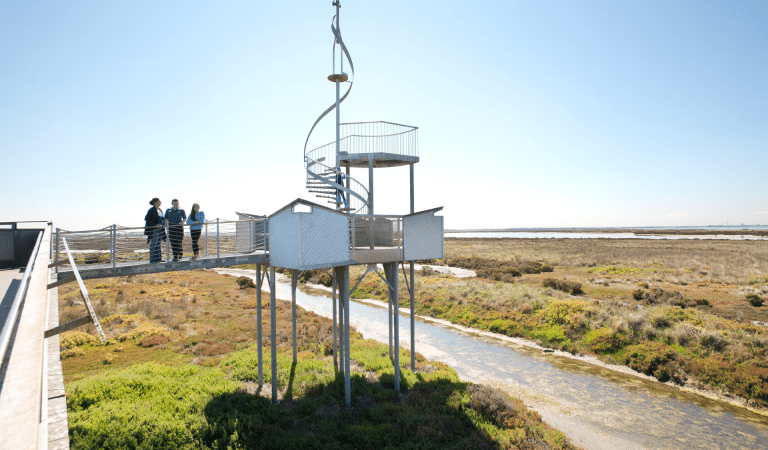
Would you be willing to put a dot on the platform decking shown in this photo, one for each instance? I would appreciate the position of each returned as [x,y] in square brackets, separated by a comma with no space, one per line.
[143,267]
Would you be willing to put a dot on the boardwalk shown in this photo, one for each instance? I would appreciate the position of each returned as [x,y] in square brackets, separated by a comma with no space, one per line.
[120,251]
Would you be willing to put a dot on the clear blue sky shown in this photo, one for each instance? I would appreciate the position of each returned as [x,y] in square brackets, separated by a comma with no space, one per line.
[555,113]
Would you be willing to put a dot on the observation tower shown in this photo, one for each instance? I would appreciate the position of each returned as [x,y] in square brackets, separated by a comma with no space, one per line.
[347,229]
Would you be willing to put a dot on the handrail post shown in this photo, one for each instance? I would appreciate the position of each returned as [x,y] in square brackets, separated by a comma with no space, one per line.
[57,249]
[114,240]
[167,244]
[206,239]
[217,238]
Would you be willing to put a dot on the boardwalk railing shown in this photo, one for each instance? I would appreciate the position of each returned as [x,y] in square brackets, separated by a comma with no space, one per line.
[118,246]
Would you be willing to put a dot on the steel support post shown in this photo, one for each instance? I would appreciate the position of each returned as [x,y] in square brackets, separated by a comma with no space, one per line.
[389,313]
[347,183]
[294,283]
[258,324]
[370,197]
[341,323]
[412,288]
[57,249]
[335,342]
[114,246]
[273,331]
[343,277]
[167,244]
[413,321]
[412,202]
[390,270]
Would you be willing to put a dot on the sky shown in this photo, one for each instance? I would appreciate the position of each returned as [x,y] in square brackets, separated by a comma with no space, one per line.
[530,113]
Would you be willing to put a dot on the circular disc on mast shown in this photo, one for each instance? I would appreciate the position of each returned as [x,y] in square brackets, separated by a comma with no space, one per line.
[342,77]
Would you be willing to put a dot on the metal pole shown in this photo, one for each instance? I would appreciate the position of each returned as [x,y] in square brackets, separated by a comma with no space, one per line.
[342,348]
[57,248]
[273,331]
[343,275]
[370,184]
[206,239]
[389,315]
[114,239]
[258,323]
[411,289]
[390,270]
[338,104]
[335,343]
[412,203]
[294,282]
[167,243]
[413,323]
[217,238]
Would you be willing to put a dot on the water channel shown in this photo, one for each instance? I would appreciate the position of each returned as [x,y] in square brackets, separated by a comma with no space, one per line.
[596,407]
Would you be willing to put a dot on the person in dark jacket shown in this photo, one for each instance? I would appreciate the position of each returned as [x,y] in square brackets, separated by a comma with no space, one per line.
[176,217]
[154,229]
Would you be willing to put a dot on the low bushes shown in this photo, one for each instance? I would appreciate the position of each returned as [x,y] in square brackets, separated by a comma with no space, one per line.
[317,276]
[755,300]
[656,359]
[153,406]
[499,270]
[660,296]
[605,340]
[571,287]
[245,282]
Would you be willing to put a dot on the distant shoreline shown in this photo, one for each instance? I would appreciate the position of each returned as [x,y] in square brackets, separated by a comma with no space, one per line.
[637,231]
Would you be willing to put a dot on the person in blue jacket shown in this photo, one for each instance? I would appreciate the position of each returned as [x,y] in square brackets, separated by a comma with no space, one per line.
[176,217]
[154,229]
[195,221]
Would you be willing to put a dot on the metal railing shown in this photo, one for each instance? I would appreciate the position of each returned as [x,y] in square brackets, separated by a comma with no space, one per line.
[377,238]
[379,137]
[322,164]
[21,294]
[118,246]
[323,181]
[369,137]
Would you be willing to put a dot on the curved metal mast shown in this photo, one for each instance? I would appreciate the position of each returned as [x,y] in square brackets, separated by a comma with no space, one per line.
[330,179]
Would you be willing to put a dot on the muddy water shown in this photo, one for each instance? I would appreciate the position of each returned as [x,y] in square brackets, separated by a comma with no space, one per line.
[596,407]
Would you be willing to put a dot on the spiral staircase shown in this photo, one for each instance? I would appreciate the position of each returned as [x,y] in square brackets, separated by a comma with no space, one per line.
[359,145]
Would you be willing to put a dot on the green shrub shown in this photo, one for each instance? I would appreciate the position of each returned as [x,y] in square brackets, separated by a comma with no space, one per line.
[755,300]
[605,340]
[702,302]
[245,282]
[151,341]
[654,358]
[492,403]
[571,287]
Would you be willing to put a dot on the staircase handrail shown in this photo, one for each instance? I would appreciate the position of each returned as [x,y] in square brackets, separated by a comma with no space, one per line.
[359,191]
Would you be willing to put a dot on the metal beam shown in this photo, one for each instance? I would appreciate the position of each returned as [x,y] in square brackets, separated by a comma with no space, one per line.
[68,326]
[84,293]
[335,342]
[394,295]
[273,331]
[294,283]
[61,282]
[259,281]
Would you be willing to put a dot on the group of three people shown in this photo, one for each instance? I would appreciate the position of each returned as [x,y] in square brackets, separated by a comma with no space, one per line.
[175,217]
